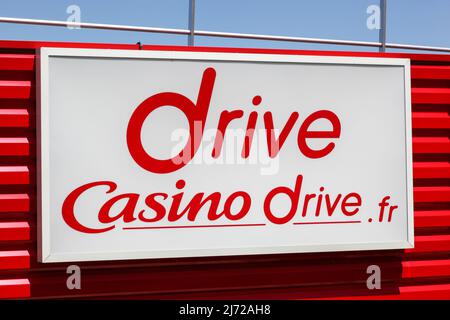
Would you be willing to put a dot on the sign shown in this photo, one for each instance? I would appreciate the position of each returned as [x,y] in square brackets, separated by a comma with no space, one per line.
[155,154]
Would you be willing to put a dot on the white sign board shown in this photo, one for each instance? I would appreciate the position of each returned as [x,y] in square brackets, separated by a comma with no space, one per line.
[154,154]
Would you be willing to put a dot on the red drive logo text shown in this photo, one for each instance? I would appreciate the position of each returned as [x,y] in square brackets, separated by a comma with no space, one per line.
[161,209]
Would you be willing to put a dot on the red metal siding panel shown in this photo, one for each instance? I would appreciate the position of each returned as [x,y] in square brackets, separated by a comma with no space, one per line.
[431,145]
[426,219]
[18,118]
[14,147]
[434,243]
[17,62]
[431,194]
[14,231]
[431,95]
[14,175]
[14,203]
[16,288]
[16,89]
[430,292]
[430,268]
[431,170]
[422,272]
[430,72]
[16,259]
[16,92]
[431,120]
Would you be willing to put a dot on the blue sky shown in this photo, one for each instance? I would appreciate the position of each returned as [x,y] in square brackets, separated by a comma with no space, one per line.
[422,22]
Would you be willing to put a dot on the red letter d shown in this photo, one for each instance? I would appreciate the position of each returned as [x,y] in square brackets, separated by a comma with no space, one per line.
[195,114]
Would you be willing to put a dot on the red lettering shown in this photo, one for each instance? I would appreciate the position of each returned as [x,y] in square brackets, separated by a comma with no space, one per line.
[332,207]
[126,213]
[304,134]
[152,203]
[293,196]
[308,197]
[195,113]
[68,213]
[248,139]
[225,118]
[244,209]
[274,145]
[346,203]
[195,205]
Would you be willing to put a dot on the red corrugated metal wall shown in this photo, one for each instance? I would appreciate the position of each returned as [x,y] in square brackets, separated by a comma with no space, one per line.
[423,272]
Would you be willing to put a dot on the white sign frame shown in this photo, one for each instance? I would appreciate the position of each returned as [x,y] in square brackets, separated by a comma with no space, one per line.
[45,54]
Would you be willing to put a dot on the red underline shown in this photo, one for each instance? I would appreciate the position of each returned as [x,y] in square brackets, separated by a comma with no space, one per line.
[236,225]
[328,222]
[199,226]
